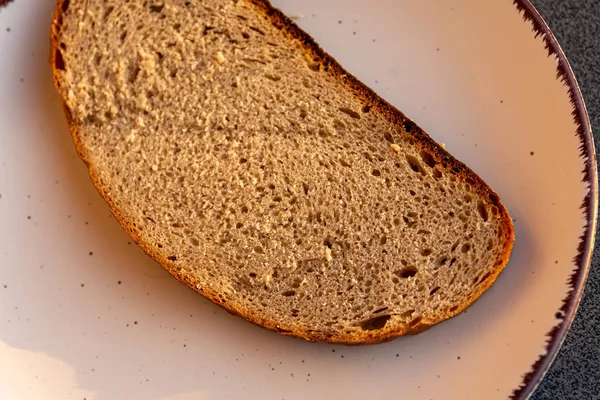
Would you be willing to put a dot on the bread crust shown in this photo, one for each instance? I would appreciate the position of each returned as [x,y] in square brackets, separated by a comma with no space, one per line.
[329,65]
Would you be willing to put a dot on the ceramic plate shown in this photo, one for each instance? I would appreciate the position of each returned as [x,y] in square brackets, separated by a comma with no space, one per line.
[84,314]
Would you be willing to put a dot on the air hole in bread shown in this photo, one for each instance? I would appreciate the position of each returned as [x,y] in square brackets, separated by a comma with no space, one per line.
[494,199]
[349,112]
[438,174]
[274,78]
[156,8]
[407,314]
[490,245]
[408,126]
[484,277]
[412,192]
[426,252]
[133,71]
[482,210]
[172,258]
[434,290]
[414,164]
[388,136]
[305,188]
[465,248]
[376,323]
[407,272]
[65,5]
[415,321]
[366,109]
[468,198]
[289,293]
[427,158]
[255,29]
[108,11]
[313,66]
[376,172]
[244,209]
[59,61]
[410,219]
[194,242]
[441,262]
[454,308]
[297,282]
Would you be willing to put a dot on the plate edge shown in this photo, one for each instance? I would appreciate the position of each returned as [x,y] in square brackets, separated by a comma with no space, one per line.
[589,206]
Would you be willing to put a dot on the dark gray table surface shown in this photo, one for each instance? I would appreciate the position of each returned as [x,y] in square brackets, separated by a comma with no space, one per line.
[575,373]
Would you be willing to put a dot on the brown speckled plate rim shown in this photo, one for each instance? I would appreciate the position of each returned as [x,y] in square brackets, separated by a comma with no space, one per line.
[589,206]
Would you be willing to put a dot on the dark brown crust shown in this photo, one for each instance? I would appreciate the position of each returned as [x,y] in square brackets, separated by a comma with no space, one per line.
[378,105]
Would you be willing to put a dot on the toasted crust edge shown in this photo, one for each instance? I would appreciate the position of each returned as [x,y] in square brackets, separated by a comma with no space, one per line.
[379,105]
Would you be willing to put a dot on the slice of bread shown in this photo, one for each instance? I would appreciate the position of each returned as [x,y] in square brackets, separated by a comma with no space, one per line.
[256,170]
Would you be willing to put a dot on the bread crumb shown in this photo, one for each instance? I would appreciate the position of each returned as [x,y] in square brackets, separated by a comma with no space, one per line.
[296,16]
[220,57]
[395,147]
[228,289]
[130,138]
[154,167]
[327,130]
[328,255]
[443,145]
[267,279]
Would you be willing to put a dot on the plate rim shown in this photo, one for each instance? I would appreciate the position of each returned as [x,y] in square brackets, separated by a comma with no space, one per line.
[564,73]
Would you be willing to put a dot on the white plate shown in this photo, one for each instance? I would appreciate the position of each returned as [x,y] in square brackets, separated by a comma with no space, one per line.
[86,315]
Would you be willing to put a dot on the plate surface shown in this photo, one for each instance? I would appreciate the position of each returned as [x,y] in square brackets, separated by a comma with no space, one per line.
[85,314]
